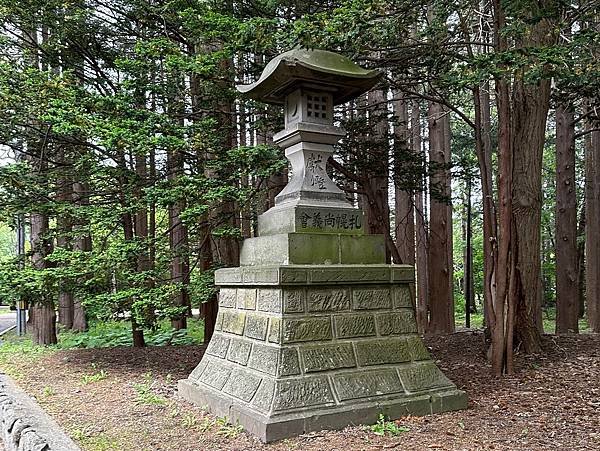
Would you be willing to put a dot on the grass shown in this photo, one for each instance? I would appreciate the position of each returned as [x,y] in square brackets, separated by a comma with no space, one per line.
[548,320]
[385,427]
[118,333]
[93,441]
[221,426]
[94,377]
[145,395]
[15,351]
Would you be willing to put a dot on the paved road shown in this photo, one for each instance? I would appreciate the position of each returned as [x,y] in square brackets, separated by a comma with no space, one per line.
[7,319]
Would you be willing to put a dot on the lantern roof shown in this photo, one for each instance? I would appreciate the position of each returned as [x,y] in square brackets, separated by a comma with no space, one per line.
[315,69]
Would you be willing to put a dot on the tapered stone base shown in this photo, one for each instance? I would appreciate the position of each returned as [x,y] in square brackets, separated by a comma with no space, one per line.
[299,348]
[271,428]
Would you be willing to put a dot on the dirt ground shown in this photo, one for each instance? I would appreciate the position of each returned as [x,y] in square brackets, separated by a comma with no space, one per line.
[124,399]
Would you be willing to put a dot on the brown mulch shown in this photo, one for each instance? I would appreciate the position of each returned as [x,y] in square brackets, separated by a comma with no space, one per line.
[552,403]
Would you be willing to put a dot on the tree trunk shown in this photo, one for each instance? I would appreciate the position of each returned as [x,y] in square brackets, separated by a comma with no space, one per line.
[529,112]
[567,307]
[468,275]
[404,200]
[143,256]
[43,313]
[178,234]
[421,227]
[441,303]
[592,230]
[483,147]
[581,262]
[64,225]
[82,242]
[374,179]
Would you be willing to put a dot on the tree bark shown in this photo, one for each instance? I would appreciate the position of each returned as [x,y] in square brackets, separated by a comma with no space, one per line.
[567,308]
[404,198]
[483,147]
[82,242]
[43,313]
[64,226]
[468,274]
[375,175]
[592,229]
[140,228]
[178,234]
[581,262]
[422,238]
[441,302]
[529,111]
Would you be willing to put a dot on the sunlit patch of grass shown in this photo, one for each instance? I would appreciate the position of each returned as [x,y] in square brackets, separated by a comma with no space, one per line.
[91,440]
[16,351]
[145,394]
[385,427]
[110,334]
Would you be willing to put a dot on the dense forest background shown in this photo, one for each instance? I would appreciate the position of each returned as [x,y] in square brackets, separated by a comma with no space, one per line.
[137,169]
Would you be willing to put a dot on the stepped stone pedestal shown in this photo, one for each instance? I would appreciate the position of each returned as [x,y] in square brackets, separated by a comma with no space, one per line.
[314,330]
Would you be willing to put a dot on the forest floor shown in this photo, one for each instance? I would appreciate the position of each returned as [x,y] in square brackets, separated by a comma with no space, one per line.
[125,399]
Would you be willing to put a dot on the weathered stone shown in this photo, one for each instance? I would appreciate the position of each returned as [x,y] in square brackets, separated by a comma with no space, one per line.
[372,298]
[219,322]
[225,276]
[423,376]
[362,250]
[380,352]
[402,297]
[197,372]
[297,393]
[246,298]
[403,273]
[328,357]
[353,274]
[328,299]
[264,358]
[306,329]
[302,219]
[397,323]
[215,374]
[350,326]
[313,249]
[330,220]
[239,351]
[289,364]
[256,326]
[269,300]
[264,395]
[259,275]
[218,346]
[275,330]
[227,297]
[366,384]
[417,348]
[265,250]
[242,384]
[448,401]
[293,300]
[293,275]
[234,321]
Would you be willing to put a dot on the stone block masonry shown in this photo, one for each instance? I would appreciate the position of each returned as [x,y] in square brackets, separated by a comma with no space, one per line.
[284,353]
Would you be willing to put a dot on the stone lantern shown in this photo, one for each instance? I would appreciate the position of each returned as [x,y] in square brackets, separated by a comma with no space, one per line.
[314,330]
